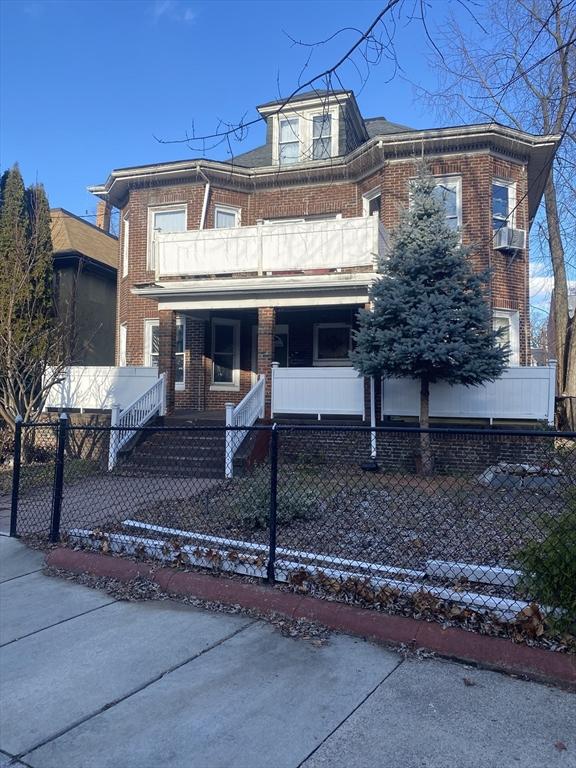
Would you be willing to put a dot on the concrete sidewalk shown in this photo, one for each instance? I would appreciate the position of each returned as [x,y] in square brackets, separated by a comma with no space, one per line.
[89,682]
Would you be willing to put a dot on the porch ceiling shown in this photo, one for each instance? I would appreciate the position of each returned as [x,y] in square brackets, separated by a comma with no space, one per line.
[292,291]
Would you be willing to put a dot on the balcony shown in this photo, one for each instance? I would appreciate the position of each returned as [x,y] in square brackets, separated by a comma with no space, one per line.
[268,249]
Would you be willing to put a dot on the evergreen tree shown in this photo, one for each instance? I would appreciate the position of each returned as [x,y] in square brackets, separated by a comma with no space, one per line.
[430,318]
[33,341]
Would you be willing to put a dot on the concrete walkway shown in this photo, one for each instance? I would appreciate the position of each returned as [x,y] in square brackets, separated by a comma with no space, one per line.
[88,682]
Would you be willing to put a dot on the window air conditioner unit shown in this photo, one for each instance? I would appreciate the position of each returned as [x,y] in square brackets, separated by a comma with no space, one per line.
[508,239]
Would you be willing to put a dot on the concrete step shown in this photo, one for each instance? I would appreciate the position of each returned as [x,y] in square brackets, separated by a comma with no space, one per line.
[201,473]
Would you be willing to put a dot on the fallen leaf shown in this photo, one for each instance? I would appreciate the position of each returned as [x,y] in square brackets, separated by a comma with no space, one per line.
[468,681]
[560,746]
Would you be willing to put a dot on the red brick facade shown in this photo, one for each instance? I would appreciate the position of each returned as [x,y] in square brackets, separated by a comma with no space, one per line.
[306,196]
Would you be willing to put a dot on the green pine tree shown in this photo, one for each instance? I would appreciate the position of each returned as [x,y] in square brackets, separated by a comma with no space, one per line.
[430,318]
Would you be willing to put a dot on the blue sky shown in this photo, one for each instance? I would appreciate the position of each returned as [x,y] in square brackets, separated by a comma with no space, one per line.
[87,85]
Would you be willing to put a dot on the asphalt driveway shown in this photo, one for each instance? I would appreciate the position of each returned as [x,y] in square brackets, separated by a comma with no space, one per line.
[90,682]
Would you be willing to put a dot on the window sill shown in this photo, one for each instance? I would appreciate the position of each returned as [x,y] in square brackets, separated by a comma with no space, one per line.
[224,387]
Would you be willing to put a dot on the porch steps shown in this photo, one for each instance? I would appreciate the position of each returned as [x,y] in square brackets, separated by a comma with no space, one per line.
[190,454]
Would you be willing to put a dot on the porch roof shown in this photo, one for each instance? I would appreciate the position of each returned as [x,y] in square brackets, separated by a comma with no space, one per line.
[293,290]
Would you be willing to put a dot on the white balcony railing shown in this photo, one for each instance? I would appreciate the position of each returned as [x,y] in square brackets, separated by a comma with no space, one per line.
[270,248]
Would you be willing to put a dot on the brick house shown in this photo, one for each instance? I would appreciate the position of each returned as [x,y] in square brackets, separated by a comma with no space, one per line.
[229,266]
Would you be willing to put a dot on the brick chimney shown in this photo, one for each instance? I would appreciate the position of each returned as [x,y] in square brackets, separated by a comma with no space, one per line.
[103,211]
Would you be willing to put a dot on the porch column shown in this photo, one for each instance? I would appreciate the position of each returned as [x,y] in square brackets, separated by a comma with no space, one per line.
[166,353]
[195,343]
[266,323]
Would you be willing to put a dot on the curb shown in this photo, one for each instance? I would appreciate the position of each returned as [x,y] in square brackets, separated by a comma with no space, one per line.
[494,653]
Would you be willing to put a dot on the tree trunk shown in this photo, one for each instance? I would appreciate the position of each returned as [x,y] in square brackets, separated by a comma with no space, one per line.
[425,443]
[565,342]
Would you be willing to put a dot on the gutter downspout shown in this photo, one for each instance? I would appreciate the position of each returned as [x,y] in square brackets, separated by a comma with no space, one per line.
[206,196]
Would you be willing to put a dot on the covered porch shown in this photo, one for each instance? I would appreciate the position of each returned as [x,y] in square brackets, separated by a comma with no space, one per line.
[215,357]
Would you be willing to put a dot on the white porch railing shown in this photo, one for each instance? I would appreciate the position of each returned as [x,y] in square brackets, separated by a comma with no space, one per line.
[272,247]
[523,393]
[137,414]
[318,391]
[244,414]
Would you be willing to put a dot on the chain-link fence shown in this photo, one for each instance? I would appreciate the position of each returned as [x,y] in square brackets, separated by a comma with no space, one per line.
[441,522]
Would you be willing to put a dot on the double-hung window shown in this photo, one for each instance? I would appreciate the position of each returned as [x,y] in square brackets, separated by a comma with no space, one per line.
[332,344]
[448,192]
[321,137]
[371,202]
[225,354]
[152,347]
[289,140]
[503,202]
[225,217]
[164,220]
[507,321]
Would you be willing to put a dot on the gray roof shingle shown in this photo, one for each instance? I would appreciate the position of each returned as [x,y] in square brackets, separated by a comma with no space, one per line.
[262,156]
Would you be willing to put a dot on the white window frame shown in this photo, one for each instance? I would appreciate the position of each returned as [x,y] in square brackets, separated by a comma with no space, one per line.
[150,323]
[234,385]
[313,217]
[152,210]
[306,133]
[510,220]
[330,362]
[237,212]
[367,198]
[457,179]
[296,139]
[125,243]
[122,345]
[513,316]
[329,114]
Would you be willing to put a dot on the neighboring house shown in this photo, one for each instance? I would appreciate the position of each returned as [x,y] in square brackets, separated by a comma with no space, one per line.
[85,267]
[227,266]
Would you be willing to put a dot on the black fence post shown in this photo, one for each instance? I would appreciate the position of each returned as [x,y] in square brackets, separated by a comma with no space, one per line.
[273,503]
[16,475]
[58,479]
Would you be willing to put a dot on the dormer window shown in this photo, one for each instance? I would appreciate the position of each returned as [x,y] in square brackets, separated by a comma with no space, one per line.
[308,136]
[289,141]
[321,137]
